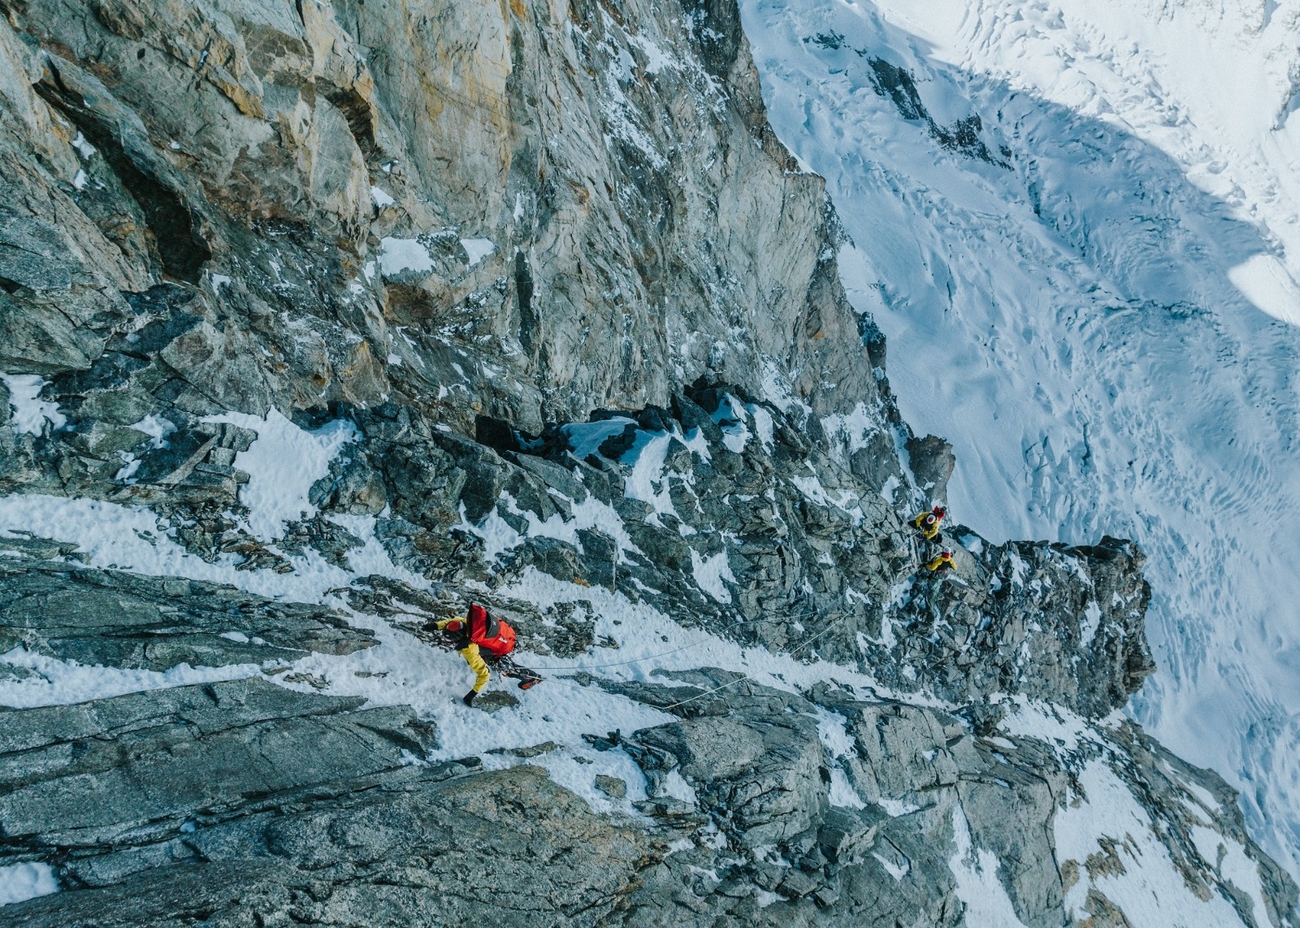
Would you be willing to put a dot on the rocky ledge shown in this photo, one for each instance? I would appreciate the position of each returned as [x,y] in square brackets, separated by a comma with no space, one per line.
[245,803]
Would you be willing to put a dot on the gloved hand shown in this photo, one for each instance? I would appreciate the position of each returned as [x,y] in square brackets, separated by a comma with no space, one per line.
[468,698]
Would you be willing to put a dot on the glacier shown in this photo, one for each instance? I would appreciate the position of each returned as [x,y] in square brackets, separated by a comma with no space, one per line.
[1092,294]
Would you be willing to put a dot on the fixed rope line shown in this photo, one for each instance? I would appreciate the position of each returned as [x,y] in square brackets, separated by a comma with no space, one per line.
[744,677]
[685,647]
[740,679]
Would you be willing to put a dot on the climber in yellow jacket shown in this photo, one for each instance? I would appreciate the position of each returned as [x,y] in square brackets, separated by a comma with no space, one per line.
[927,523]
[942,562]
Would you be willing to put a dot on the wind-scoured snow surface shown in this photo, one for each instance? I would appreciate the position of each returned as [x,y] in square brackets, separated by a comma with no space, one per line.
[1093,295]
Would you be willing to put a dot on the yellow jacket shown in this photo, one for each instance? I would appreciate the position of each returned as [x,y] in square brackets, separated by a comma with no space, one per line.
[940,562]
[471,654]
[929,529]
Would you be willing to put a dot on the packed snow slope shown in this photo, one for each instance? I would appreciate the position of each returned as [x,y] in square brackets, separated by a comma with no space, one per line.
[1077,225]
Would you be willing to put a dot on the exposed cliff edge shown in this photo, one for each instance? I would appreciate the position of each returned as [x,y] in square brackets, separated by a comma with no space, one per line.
[321,320]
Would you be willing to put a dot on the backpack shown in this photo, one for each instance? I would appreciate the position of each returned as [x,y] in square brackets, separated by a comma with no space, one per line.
[490,633]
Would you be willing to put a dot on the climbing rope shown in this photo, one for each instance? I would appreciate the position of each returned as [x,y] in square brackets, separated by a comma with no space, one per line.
[686,647]
[744,677]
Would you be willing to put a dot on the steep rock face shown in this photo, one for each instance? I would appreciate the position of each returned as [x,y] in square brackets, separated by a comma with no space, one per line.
[546,206]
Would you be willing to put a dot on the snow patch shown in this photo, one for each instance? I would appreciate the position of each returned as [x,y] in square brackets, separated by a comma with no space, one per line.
[585,438]
[730,416]
[130,464]
[157,429]
[764,425]
[1047,723]
[113,536]
[842,793]
[711,574]
[656,58]
[778,391]
[1146,885]
[765,897]
[849,432]
[833,734]
[20,882]
[1019,569]
[576,771]
[30,413]
[897,807]
[59,683]
[812,489]
[675,786]
[978,886]
[84,148]
[477,249]
[498,535]
[648,482]
[282,464]
[1091,622]
[892,869]
[1229,858]
[403,254]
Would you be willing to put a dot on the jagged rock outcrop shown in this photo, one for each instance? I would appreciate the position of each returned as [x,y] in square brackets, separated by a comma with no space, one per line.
[244,800]
[155,623]
[1058,623]
[546,207]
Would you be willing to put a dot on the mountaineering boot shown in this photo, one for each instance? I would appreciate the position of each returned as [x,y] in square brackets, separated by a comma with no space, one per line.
[527,678]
